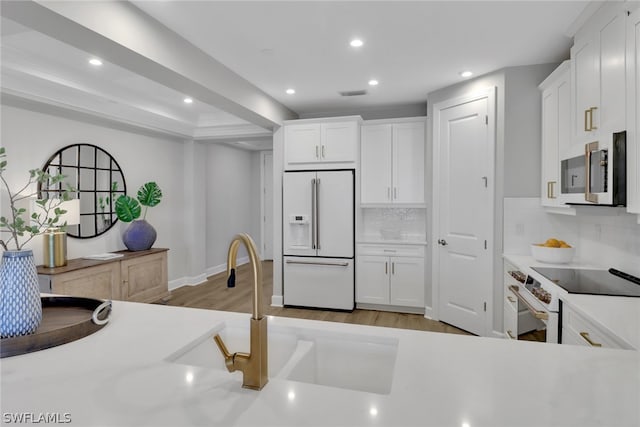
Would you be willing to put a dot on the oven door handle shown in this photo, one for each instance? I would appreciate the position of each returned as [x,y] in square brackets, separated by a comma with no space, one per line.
[542,315]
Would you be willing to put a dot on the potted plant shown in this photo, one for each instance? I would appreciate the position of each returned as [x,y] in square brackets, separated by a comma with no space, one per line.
[139,235]
[20,304]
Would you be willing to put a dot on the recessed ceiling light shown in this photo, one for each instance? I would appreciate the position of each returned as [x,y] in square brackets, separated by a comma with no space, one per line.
[356,43]
[188,101]
[373,82]
[95,61]
[466,74]
[291,91]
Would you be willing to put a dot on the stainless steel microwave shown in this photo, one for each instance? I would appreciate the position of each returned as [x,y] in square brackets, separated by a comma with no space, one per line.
[600,174]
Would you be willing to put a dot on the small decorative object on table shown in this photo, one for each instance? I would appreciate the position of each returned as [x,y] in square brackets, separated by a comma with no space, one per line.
[140,235]
[20,305]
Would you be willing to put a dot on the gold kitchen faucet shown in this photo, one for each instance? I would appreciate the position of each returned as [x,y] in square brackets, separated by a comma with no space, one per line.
[253,364]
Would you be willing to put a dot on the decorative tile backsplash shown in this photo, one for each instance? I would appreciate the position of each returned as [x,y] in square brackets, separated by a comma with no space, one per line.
[394,223]
[607,237]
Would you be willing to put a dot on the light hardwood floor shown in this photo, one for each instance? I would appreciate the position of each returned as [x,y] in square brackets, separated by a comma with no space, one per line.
[214,295]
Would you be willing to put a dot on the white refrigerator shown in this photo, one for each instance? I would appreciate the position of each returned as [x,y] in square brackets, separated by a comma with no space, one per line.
[318,239]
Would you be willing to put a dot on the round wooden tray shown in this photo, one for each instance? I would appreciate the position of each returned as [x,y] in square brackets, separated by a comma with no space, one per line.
[64,319]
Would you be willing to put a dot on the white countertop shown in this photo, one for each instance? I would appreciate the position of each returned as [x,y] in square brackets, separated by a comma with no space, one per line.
[118,377]
[618,315]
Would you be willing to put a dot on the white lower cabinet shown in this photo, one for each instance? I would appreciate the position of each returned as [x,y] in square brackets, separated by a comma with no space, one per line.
[510,316]
[578,329]
[394,280]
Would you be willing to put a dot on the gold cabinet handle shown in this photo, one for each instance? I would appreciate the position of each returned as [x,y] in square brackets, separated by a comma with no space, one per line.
[550,194]
[511,335]
[585,335]
[511,299]
[542,315]
[586,117]
[591,126]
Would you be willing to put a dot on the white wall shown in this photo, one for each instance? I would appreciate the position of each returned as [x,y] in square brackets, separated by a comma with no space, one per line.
[31,137]
[603,236]
[232,176]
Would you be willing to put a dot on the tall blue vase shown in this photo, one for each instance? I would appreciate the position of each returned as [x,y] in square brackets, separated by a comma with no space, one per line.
[139,236]
[20,304]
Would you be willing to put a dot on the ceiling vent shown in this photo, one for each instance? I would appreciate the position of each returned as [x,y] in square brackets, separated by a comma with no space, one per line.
[353,92]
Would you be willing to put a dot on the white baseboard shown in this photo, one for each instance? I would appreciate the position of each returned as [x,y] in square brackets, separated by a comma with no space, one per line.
[223,267]
[428,313]
[201,278]
[187,281]
[277,301]
[392,308]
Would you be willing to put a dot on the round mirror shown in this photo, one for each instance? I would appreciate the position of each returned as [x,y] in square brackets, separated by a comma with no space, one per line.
[97,181]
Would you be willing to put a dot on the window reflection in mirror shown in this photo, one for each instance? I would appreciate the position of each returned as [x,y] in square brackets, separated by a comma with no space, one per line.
[98,181]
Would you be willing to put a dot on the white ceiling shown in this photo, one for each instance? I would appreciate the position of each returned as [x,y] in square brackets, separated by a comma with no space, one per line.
[412,48]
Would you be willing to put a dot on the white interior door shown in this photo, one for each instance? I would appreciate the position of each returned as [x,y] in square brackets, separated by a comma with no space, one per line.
[463,223]
[267,205]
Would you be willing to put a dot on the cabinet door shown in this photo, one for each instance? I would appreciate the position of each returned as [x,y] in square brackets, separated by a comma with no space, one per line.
[407,282]
[302,144]
[612,76]
[408,162]
[585,65]
[372,279]
[339,142]
[550,159]
[101,281]
[510,316]
[144,278]
[633,112]
[375,166]
[556,135]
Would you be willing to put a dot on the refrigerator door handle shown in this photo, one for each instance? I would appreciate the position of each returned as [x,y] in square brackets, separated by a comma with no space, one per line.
[317,213]
[332,264]
[313,213]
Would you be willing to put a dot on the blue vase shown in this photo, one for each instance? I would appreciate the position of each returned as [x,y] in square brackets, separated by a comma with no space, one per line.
[139,236]
[20,304]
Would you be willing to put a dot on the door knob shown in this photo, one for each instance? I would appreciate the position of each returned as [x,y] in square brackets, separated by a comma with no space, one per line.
[442,242]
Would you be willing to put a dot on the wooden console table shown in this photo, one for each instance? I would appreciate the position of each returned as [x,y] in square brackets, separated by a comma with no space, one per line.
[139,276]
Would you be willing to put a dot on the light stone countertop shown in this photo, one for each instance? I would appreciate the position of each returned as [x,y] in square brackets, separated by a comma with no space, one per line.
[617,315]
[118,377]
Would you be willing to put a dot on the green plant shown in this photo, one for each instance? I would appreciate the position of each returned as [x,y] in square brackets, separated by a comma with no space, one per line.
[15,225]
[103,202]
[128,208]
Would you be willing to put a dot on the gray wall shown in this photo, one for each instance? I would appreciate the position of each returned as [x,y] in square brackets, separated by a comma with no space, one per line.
[210,190]
[232,176]
[31,137]
[523,132]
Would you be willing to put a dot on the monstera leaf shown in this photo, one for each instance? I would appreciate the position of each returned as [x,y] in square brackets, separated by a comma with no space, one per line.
[127,208]
[149,194]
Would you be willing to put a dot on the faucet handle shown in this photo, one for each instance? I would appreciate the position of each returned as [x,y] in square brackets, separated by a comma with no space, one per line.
[228,357]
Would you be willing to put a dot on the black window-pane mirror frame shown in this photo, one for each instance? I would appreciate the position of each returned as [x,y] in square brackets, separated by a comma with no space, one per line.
[99,220]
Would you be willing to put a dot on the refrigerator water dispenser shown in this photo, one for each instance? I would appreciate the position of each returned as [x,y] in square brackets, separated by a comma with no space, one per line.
[300,229]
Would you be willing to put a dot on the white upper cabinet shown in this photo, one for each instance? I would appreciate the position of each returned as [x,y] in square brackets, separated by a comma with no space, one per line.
[633,112]
[556,131]
[321,144]
[392,162]
[598,78]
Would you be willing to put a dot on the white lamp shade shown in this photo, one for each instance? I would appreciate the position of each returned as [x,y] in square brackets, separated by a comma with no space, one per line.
[71,216]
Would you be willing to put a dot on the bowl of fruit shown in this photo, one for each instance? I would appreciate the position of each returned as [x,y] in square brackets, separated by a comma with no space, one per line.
[553,251]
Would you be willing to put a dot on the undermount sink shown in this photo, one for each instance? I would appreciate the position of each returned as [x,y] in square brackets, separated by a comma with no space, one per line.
[350,361]
[204,353]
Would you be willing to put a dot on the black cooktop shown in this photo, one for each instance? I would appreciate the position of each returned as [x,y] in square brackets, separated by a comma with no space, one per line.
[593,282]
